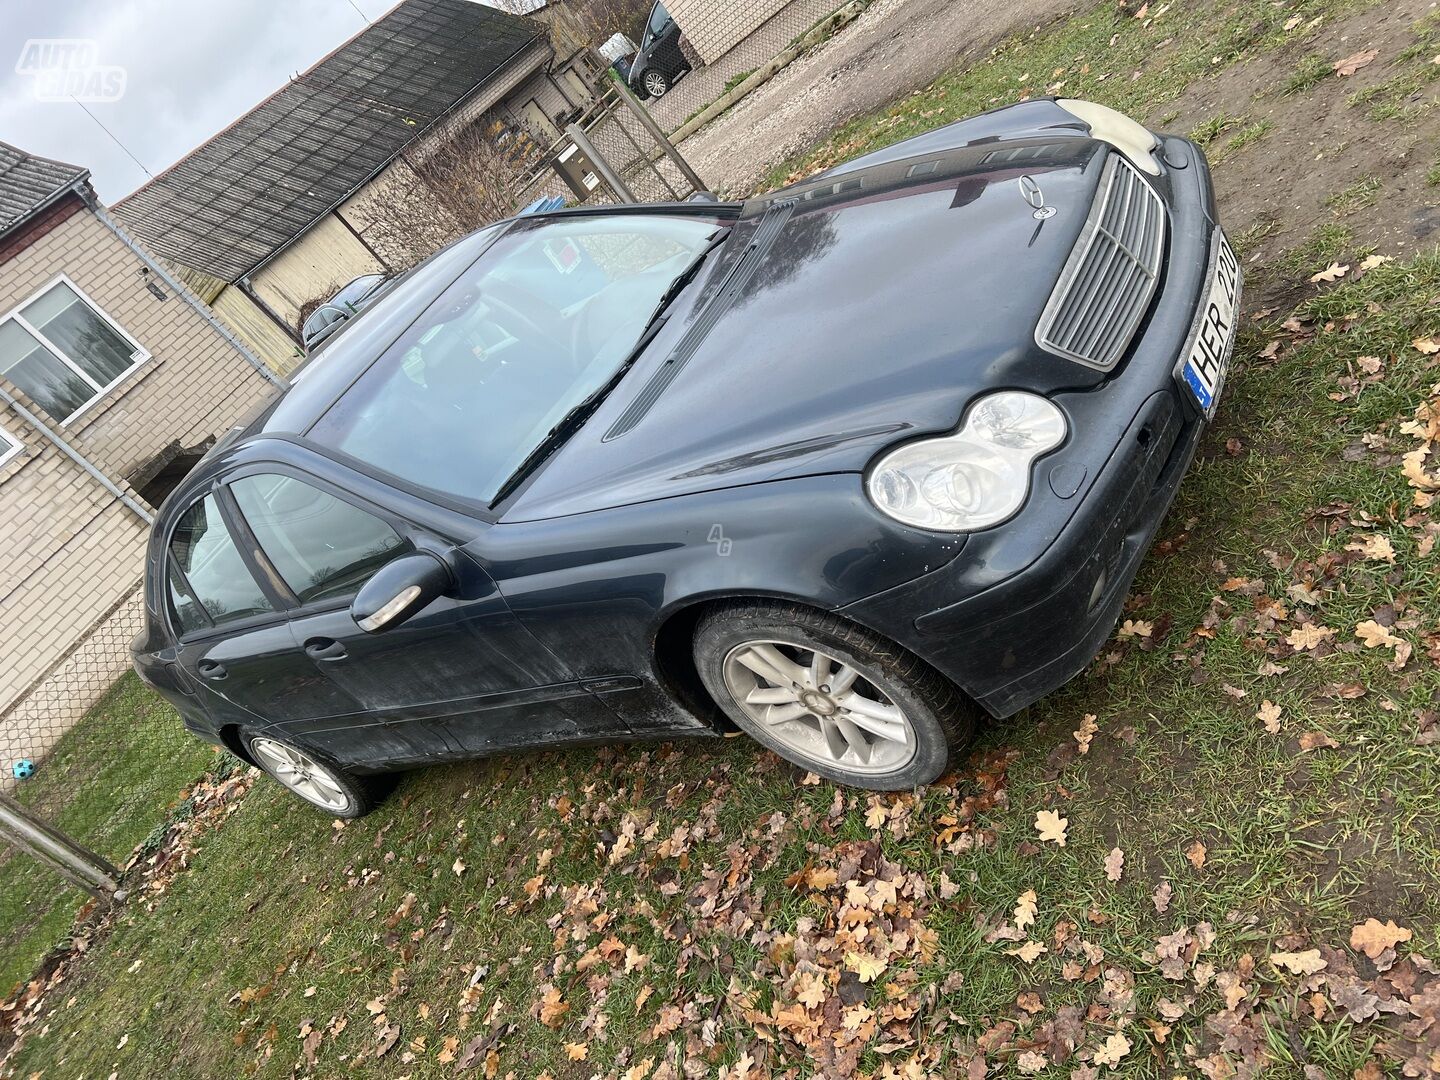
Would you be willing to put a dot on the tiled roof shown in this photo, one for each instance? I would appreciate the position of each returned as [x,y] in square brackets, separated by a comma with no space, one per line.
[29,183]
[234,201]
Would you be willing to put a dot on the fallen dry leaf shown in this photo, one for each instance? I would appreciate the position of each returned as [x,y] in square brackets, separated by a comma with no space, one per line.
[1299,963]
[1354,62]
[868,968]
[553,1008]
[1427,345]
[1196,854]
[1370,262]
[1114,864]
[1373,635]
[1029,952]
[1161,897]
[1308,637]
[1376,546]
[1086,732]
[1269,715]
[1025,908]
[1334,272]
[1051,826]
[577,1051]
[1115,1048]
[1372,937]
[1135,628]
[1317,740]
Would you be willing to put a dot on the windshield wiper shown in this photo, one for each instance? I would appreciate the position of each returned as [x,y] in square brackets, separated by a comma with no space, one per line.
[575,419]
[686,276]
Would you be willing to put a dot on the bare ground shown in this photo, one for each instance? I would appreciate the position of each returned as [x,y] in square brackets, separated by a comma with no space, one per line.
[895,47]
[1325,159]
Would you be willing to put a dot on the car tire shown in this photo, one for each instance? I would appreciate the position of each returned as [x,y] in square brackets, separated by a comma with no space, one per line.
[655,83]
[310,775]
[909,718]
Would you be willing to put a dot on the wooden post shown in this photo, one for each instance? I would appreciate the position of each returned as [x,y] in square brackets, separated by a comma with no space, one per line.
[77,864]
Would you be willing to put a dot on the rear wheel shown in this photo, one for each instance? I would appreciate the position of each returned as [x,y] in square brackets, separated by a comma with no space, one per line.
[655,82]
[831,697]
[313,777]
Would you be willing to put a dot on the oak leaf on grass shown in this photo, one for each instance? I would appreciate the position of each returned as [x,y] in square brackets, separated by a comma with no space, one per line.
[1051,826]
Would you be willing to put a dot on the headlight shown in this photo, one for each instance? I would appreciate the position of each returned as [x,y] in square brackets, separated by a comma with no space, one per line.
[1131,138]
[976,477]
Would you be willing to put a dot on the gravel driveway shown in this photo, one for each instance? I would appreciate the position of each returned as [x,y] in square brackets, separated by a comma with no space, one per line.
[897,46]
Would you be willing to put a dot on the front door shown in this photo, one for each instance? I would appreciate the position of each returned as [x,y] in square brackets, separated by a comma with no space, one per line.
[460,678]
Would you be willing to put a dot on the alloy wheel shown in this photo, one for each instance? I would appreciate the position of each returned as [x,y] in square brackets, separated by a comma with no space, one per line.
[822,709]
[655,83]
[301,773]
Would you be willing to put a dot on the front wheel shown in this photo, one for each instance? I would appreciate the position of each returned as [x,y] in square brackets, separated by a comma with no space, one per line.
[655,83]
[311,776]
[831,697]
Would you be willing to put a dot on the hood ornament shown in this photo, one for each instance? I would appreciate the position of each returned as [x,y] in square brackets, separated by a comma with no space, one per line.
[1031,193]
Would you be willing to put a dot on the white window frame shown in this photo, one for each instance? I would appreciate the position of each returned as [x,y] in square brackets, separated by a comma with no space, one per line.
[9,447]
[138,351]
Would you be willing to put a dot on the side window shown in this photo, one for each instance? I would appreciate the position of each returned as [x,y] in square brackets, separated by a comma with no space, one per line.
[659,20]
[322,546]
[209,581]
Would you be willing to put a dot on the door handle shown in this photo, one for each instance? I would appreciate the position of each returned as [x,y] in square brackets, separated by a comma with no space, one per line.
[324,649]
[211,670]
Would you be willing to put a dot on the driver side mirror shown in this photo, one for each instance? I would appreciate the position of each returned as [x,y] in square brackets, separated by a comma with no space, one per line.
[400,589]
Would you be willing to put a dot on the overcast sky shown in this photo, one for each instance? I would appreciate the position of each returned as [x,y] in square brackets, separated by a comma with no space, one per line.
[192,67]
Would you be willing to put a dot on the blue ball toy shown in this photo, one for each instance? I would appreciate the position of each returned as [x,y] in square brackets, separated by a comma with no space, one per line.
[23,769]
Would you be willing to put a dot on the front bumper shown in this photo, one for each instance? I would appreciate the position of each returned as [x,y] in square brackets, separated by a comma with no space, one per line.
[1028,604]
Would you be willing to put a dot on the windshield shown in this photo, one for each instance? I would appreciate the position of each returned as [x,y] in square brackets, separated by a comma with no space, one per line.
[357,290]
[540,322]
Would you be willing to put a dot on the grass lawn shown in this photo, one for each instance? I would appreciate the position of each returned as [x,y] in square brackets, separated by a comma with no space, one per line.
[1212,855]
[107,784]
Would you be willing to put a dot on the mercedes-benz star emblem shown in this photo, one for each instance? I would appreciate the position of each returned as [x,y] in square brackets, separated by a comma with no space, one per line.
[1031,193]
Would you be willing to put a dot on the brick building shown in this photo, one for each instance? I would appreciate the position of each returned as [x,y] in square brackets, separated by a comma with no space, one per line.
[113,379]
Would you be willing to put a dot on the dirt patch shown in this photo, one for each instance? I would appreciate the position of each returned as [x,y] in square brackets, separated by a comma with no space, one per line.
[1322,159]
[895,47]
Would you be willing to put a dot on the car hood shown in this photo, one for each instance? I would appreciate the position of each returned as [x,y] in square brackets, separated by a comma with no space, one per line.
[872,305]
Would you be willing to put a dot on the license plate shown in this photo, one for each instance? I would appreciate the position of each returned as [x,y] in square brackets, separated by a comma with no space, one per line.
[1204,370]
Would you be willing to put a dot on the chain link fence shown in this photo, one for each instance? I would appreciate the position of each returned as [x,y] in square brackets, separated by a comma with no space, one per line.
[635,152]
[92,752]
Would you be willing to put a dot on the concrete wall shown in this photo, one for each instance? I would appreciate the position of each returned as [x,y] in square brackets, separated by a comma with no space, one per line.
[74,551]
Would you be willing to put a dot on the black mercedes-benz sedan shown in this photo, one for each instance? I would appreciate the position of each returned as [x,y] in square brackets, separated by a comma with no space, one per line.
[845,467]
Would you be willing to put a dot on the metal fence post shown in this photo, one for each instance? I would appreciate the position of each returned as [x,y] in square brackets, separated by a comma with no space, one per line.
[662,140]
[607,173]
[77,864]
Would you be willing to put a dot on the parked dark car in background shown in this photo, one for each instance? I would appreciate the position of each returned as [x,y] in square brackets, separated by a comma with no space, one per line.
[330,316]
[660,61]
[843,466]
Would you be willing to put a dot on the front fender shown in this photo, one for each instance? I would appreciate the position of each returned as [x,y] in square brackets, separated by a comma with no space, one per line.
[595,588]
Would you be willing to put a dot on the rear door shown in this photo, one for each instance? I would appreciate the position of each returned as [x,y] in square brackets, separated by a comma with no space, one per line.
[460,678]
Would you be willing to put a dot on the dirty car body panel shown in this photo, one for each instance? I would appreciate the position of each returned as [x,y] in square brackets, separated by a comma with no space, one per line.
[823,327]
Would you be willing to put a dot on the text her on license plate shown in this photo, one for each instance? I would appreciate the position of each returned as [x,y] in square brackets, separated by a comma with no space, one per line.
[1205,367]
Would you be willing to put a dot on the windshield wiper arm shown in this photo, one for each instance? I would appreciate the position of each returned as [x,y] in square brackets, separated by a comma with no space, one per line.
[686,276]
[573,420]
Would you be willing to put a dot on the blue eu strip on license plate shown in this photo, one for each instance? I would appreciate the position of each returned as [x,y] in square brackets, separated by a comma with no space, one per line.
[1204,371]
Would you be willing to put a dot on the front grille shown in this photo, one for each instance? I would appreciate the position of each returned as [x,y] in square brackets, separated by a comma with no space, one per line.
[1106,286]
